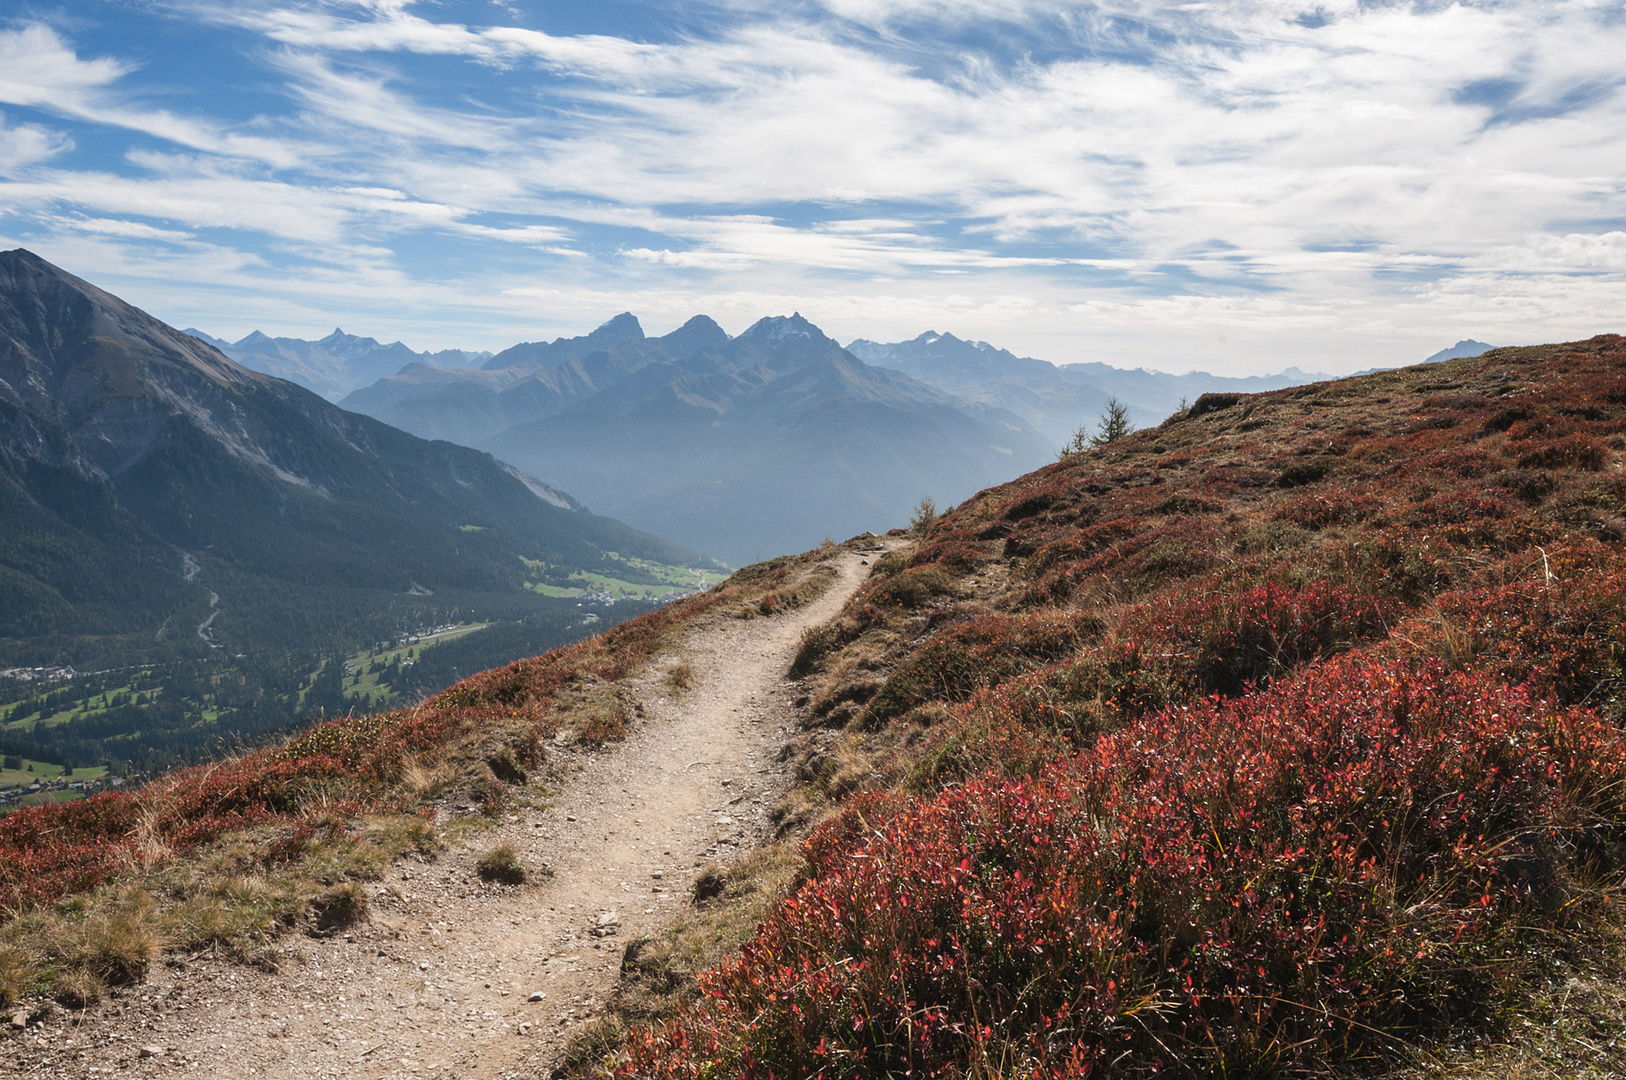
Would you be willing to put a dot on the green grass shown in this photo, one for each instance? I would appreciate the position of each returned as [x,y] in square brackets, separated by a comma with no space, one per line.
[14,779]
[45,771]
[26,715]
[365,688]
[671,580]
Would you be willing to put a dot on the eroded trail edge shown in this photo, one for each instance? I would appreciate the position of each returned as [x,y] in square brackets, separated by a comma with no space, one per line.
[441,980]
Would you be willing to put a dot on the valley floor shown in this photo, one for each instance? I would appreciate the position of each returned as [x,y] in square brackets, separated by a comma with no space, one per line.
[439,982]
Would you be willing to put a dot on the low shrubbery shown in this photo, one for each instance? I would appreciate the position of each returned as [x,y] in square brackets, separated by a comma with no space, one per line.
[1258,886]
[1283,739]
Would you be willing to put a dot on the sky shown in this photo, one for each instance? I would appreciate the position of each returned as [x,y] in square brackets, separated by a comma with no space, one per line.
[1236,187]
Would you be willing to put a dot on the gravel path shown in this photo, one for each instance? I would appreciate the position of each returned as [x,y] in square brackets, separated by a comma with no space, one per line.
[440,981]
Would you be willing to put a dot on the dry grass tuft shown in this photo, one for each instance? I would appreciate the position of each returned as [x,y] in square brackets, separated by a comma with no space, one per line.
[110,945]
[679,677]
[341,906]
[501,865]
[16,974]
[420,780]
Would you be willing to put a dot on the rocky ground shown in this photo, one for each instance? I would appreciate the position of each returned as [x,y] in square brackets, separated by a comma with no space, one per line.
[453,977]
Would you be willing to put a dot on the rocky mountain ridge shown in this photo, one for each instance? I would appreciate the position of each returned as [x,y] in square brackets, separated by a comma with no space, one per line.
[334,365]
[745,446]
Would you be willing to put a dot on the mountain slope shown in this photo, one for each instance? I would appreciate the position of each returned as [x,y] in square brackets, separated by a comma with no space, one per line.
[1282,739]
[151,485]
[768,443]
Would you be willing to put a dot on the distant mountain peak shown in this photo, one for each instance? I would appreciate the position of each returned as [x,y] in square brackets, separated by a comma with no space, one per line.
[775,328]
[1463,348]
[624,327]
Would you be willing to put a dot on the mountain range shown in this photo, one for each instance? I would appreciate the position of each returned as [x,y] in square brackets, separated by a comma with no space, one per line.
[741,447]
[1055,399]
[335,365]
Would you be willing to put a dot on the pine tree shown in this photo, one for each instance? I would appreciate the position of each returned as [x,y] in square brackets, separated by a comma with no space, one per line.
[1114,425]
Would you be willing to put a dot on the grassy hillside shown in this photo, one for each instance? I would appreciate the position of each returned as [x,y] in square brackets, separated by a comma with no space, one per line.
[237,852]
[1283,738]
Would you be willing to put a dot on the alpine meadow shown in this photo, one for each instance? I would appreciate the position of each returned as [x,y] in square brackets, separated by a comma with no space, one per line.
[831,541]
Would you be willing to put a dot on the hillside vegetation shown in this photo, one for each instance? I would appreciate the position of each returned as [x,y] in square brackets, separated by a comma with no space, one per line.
[1284,738]
[235,854]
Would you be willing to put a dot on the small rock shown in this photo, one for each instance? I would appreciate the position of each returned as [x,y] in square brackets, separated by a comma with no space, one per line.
[609,918]
[570,817]
[657,874]
[152,1051]
[525,1028]
[537,995]
[19,1019]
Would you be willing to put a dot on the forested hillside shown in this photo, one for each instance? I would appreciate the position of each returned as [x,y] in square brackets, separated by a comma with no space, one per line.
[222,542]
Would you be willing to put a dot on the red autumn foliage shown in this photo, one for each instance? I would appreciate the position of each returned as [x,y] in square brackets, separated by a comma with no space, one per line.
[1227,888]
[1332,760]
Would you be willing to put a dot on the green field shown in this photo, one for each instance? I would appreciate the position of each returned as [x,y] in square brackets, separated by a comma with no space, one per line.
[46,771]
[32,713]
[644,578]
[365,670]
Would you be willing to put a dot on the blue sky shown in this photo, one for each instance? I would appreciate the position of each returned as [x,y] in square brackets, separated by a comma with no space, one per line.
[1233,186]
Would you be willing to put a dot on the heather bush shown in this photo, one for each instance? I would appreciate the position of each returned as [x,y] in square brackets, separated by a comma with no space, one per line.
[964,658]
[1254,887]
[1324,510]
[911,588]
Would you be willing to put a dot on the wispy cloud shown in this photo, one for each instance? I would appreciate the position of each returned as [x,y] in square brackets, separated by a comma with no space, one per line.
[37,68]
[22,145]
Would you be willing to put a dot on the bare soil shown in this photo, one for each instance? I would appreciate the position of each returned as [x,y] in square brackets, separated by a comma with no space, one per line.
[439,981]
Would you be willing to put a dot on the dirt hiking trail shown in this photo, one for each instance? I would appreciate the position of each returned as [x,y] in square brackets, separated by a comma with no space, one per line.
[439,982]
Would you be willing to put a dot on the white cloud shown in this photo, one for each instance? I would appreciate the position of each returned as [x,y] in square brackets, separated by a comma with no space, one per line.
[134,230]
[22,145]
[37,68]
[1359,173]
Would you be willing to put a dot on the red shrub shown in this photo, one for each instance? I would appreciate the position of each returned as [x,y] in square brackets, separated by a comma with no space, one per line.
[1570,452]
[1326,509]
[1226,889]
[1220,642]
[956,556]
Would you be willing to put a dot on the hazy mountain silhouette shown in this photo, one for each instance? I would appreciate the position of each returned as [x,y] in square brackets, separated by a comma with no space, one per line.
[1464,348]
[335,365]
[746,447]
[468,406]
[1055,399]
